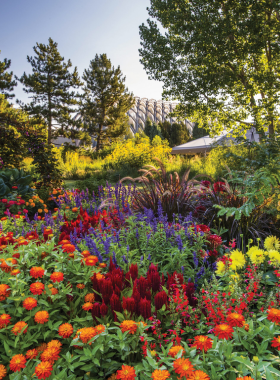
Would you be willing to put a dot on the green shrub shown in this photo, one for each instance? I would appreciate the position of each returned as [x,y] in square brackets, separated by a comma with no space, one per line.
[92,184]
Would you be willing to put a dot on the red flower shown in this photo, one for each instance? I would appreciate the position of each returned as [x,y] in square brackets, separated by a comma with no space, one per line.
[37,288]
[202,342]
[219,187]
[17,362]
[126,373]
[43,370]
[273,315]
[36,272]
[31,354]
[223,331]
[91,260]
[29,303]
[57,277]
[235,320]
[276,342]
[160,299]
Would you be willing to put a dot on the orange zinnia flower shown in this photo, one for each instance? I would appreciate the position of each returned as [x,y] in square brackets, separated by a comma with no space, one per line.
[85,253]
[202,342]
[126,373]
[128,325]
[273,315]
[245,378]
[183,367]
[175,350]
[57,277]
[37,288]
[14,272]
[17,363]
[50,355]
[87,306]
[81,286]
[91,260]
[4,290]
[99,329]
[89,297]
[65,330]
[75,209]
[160,374]
[42,347]
[54,291]
[199,375]
[19,326]
[41,317]
[36,272]
[54,343]
[31,354]
[43,370]
[87,333]
[29,303]
[3,371]
[69,248]
[223,331]
[103,265]
[235,320]
[276,342]
[4,320]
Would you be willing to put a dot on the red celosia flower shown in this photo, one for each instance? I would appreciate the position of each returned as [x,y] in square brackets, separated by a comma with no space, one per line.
[223,331]
[37,272]
[126,373]
[160,374]
[29,303]
[87,306]
[43,370]
[17,363]
[37,288]
[57,277]
[129,304]
[183,367]
[276,342]
[235,320]
[91,260]
[160,299]
[103,309]
[41,317]
[273,315]
[128,325]
[202,342]
[65,330]
[199,375]
[4,320]
[3,371]
[31,354]
[19,327]
[145,308]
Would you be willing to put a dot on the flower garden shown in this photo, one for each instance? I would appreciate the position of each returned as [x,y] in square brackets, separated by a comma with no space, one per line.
[93,287]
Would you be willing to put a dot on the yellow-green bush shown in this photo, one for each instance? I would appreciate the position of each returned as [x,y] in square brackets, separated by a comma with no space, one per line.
[138,152]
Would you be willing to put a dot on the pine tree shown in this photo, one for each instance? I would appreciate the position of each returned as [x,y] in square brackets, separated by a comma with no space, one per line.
[106,101]
[152,129]
[7,83]
[51,88]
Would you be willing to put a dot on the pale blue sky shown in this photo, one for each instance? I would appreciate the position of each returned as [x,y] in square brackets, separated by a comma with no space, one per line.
[81,29]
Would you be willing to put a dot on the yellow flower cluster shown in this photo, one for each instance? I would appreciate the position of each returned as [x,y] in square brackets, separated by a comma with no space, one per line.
[139,151]
[256,255]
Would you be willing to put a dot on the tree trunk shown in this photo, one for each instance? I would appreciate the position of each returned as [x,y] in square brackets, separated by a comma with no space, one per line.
[99,138]
[271,128]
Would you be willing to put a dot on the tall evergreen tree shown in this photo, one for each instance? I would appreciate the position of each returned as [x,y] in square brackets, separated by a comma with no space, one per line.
[152,129]
[106,101]
[51,88]
[7,83]
[175,134]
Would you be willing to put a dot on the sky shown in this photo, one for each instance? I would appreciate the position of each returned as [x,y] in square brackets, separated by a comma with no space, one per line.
[82,29]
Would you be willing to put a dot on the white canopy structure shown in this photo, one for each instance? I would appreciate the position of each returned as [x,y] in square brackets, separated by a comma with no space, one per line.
[205,144]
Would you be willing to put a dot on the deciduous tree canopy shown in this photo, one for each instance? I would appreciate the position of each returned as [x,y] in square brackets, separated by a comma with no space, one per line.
[216,58]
